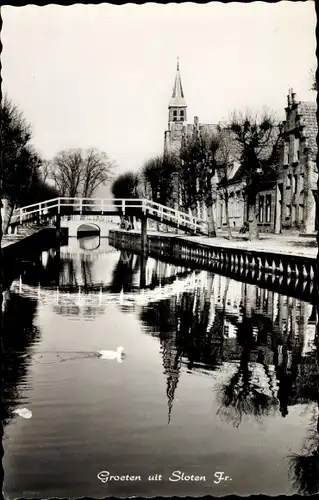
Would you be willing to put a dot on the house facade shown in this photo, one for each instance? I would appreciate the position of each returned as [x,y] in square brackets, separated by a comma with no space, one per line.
[298,174]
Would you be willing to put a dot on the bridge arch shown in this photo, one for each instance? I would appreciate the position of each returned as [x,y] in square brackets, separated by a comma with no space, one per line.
[88,229]
[74,223]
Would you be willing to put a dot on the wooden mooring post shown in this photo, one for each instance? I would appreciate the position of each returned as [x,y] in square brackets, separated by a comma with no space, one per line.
[58,226]
[144,245]
[144,251]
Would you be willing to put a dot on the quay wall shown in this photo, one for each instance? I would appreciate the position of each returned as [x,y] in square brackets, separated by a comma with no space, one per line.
[256,266]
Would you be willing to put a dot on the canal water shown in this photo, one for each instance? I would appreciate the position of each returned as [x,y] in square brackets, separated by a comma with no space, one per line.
[217,391]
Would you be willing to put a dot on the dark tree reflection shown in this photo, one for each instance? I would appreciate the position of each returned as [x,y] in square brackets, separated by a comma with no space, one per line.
[1,386]
[304,467]
[124,272]
[19,332]
[243,394]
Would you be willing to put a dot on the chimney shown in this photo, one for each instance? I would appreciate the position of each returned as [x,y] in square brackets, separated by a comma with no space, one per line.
[293,97]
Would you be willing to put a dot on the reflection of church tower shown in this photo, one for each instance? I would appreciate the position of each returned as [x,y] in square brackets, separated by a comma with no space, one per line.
[172,367]
[176,117]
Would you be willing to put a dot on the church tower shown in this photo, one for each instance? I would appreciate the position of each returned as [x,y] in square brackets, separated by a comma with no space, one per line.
[176,116]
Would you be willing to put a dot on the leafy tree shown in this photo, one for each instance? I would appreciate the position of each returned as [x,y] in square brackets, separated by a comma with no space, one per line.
[38,191]
[226,157]
[159,176]
[19,161]
[198,167]
[259,141]
[78,173]
[125,186]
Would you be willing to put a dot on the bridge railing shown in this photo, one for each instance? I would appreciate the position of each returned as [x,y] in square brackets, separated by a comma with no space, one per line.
[27,212]
[176,216]
[103,205]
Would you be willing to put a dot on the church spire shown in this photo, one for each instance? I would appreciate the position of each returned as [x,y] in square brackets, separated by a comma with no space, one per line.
[177,99]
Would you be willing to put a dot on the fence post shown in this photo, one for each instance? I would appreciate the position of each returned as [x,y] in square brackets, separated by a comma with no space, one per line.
[39,214]
[123,207]
[20,215]
[102,206]
[59,207]
[80,205]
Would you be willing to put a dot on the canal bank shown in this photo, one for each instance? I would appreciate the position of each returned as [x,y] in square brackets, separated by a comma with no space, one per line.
[19,250]
[286,256]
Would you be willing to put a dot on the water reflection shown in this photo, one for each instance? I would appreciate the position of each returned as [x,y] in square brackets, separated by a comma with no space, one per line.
[257,348]
[18,333]
[1,397]
[269,340]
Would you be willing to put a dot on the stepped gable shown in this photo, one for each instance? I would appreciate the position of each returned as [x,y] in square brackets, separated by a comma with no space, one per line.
[308,111]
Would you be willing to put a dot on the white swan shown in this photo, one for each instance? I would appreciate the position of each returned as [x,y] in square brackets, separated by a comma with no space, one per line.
[23,412]
[118,354]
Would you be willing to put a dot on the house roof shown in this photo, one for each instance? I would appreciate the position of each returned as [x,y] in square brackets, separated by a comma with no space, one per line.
[308,110]
[264,152]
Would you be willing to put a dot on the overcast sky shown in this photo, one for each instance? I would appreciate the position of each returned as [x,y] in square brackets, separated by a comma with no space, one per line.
[102,75]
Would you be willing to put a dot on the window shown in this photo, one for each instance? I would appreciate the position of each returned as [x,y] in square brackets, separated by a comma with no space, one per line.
[182,114]
[288,184]
[301,182]
[293,213]
[295,184]
[175,112]
[301,213]
[296,150]
[286,153]
[268,208]
[261,208]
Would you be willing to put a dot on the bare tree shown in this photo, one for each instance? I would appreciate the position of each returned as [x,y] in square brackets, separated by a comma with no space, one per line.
[46,170]
[97,170]
[259,141]
[79,173]
[67,172]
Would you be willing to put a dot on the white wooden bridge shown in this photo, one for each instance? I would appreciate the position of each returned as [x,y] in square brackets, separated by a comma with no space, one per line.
[91,207]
